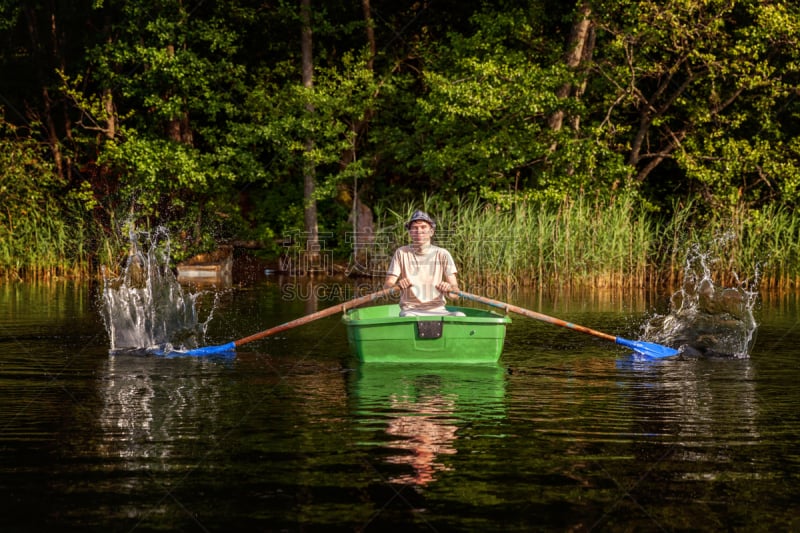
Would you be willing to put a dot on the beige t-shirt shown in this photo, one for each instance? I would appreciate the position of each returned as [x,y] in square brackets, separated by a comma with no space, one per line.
[424,271]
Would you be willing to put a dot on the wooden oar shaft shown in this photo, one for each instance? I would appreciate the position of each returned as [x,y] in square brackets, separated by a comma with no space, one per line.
[315,316]
[535,315]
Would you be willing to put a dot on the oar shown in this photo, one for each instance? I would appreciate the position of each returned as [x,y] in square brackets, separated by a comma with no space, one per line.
[231,346]
[648,349]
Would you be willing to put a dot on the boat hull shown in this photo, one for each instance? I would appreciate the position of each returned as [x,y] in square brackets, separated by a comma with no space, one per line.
[379,334]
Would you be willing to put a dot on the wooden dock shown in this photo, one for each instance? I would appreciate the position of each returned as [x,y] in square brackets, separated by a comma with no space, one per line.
[212,268]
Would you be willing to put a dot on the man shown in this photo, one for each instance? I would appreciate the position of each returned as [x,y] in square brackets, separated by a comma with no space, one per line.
[424,272]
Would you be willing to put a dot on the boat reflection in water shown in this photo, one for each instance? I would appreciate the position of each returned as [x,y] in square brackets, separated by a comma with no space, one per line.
[424,433]
[415,413]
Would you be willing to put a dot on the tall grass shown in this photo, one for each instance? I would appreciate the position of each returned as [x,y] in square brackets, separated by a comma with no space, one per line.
[592,243]
[40,249]
[757,247]
[41,223]
[577,243]
[582,243]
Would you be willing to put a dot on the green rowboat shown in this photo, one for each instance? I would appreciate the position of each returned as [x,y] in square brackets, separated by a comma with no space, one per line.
[379,334]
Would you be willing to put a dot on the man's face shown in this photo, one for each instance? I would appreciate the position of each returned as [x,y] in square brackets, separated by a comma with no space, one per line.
[420,231]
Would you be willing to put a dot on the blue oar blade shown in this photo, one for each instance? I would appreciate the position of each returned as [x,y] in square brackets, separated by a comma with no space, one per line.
[648,349]
[209,350]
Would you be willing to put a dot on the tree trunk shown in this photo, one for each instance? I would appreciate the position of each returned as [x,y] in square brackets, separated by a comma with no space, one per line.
[45,58]
[368,21]
[309,179]
[111,114]
[179,129]
[579,50]
[360,213]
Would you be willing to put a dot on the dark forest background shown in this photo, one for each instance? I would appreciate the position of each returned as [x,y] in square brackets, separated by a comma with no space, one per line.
[240,122]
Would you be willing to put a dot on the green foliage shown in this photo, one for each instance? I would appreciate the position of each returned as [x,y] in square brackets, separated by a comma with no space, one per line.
[287,117]
[39,233]
[705,86]
[480,122]
[194,117]
[174,79]
[154,167]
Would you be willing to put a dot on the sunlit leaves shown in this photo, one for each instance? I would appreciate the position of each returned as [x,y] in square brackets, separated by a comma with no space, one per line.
[481,119]
[707,82]
[287,115]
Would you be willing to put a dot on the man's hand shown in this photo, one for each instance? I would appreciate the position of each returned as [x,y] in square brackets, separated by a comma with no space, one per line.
[403,283]
[446,288]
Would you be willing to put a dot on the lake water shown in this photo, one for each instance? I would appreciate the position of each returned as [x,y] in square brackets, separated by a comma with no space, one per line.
[566,433]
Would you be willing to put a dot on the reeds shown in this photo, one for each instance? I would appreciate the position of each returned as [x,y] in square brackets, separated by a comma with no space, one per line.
[576,243]
[39,248]
[594,243]
[580,243]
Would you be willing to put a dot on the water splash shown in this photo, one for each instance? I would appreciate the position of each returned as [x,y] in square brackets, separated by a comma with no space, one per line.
[145,309]
[707,319]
